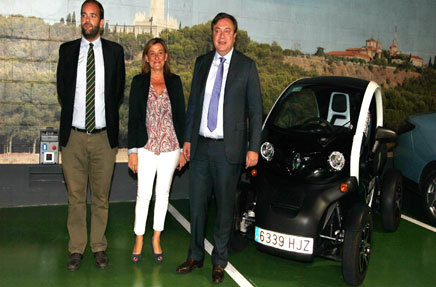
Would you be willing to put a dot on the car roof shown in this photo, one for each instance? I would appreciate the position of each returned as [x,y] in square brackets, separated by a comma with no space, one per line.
[334,80]
[423,120]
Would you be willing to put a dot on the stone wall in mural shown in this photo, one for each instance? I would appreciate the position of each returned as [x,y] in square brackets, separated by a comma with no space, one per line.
[29,53]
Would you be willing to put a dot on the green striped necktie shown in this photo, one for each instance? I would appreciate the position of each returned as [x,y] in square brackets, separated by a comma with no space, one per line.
[90,90]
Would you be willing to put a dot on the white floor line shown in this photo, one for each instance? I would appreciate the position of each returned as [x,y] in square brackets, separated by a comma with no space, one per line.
[230,269]
[417,222]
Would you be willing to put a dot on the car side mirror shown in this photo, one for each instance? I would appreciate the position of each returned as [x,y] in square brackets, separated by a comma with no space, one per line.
[385,135]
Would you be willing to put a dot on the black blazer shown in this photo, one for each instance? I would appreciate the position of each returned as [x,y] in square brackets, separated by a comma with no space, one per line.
[137,132]
[242,106]
[114,77]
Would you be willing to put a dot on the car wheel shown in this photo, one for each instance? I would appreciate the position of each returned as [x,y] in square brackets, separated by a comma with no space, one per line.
[357,251]
[429,196]
[237,241]
[391,200]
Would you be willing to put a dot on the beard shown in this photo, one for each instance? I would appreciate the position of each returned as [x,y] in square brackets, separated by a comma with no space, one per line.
[91,33]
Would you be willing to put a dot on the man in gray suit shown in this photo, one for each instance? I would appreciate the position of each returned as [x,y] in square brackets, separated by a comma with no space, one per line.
[224,111]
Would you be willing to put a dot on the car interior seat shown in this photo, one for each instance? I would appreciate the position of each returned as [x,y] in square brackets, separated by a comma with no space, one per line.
[339,109]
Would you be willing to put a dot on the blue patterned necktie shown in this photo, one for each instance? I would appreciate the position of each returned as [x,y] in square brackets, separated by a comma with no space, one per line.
[214,99]
[90,90]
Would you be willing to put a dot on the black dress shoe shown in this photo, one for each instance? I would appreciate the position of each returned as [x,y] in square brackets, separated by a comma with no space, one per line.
[217,273]
[189,265]
[101,259]
[74,260]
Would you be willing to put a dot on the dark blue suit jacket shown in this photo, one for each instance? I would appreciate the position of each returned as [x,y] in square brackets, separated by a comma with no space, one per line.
[242,106]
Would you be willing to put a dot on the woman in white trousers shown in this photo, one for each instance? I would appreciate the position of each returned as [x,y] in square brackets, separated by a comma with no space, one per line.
[155,137]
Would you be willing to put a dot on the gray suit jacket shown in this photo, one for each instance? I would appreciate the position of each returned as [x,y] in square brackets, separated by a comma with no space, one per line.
[242,106]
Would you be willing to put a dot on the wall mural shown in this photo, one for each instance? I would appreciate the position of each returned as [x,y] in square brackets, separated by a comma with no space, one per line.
[390,42]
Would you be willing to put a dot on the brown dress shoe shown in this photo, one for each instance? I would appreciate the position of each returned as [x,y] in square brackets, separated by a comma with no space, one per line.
[101,259]
[189,265]
[217,273]
[74,260]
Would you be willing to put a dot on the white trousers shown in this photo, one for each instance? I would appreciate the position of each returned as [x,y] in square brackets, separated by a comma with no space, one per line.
[150,165]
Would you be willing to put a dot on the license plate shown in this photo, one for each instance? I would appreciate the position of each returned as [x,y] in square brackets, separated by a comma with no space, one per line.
[283,241]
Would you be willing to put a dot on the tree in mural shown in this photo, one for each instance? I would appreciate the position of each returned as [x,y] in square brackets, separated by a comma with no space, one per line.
[414,96]
[319,51]
[11,118]
[29,108]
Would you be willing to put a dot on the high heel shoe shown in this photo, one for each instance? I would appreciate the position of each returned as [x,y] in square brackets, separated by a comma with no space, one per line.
[158,257]
[136,258]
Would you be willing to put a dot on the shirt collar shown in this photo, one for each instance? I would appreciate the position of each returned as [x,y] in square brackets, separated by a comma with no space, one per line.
[228,56]
[85,43]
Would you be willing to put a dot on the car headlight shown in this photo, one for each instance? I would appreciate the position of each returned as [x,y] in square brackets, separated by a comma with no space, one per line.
[267,151]
[336,160]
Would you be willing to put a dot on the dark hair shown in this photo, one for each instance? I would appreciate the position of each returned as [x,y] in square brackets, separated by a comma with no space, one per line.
[100,7]
[223,15]
[145,65]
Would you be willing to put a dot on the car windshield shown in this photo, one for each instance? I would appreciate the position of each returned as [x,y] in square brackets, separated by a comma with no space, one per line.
[317,109]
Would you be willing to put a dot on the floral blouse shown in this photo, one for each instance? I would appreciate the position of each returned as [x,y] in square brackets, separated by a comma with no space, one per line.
[160,129]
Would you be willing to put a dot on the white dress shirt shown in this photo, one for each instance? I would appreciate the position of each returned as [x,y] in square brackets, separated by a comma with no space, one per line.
[79,110]
[218,133]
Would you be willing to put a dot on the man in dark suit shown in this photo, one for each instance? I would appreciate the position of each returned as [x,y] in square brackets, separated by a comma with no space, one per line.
[90,85]
[224,111]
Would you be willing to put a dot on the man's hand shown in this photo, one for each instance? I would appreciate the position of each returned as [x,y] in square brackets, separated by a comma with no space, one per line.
[187,150]
[251,159]
[182,161]
[133,162]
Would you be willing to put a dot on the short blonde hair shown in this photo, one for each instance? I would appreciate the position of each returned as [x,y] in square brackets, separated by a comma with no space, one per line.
[146,65]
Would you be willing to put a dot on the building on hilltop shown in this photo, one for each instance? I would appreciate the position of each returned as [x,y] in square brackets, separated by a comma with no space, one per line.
[368,52]
[350,54]
[373,50]
[393,49]
[399,58]
[154,23]
[417,61]
[403,58]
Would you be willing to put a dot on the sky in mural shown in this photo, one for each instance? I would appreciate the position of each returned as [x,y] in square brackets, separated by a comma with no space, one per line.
[303,24]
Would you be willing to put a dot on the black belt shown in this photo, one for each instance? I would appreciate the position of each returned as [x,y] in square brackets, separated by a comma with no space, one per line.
[211,139]
[95,131]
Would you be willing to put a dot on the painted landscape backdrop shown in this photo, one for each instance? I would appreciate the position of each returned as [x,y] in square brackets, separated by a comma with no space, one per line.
[29,53]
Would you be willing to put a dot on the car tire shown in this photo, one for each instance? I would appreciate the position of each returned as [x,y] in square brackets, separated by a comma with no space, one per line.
[429,196]
[391,200]
[357,249]
[237,241]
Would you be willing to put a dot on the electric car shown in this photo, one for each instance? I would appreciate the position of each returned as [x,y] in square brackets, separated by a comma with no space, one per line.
[320,176]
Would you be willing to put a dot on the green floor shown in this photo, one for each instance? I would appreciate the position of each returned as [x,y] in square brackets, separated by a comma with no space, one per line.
[33,251]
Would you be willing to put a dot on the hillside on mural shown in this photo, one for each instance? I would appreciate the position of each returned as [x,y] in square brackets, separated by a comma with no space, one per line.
[29,52]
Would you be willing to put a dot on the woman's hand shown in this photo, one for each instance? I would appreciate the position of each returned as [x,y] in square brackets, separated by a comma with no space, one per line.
[182,161]
[133,162]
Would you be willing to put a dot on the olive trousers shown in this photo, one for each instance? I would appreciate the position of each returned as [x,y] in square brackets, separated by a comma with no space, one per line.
[87,157]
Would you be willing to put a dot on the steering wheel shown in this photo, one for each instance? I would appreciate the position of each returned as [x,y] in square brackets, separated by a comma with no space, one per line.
[319,122]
